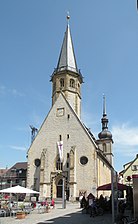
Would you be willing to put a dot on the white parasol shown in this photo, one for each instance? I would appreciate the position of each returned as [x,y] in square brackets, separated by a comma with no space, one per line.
[18,190]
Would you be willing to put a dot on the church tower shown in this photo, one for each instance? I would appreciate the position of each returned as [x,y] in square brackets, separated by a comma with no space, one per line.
[66,77]
[105,137]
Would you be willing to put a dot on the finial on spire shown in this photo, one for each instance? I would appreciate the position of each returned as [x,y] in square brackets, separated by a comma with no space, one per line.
[68,17]
[104,105]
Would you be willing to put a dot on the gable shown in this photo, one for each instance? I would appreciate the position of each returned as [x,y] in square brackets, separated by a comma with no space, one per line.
[132,168]
[61,120]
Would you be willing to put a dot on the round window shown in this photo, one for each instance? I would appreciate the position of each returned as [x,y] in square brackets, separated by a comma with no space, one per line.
[83,160]
[37,162]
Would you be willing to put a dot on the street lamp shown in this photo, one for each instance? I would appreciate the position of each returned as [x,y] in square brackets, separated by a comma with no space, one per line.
[114,190]
[63,194]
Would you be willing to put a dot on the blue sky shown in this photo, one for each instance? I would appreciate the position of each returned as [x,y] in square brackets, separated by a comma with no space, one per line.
[105,38]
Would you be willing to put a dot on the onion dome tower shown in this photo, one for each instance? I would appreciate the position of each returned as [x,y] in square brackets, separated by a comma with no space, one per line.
[105,137]
[66,77]
[104,134]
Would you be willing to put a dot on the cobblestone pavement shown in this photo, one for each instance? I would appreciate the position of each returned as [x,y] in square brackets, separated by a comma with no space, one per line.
[70,215]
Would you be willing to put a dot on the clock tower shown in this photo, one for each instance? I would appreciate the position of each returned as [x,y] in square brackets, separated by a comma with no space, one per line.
[66,77]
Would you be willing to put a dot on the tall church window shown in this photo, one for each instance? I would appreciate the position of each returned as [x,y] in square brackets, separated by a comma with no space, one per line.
[104,148]
[72,159]
[60,182]
[59,164]
[59,188]
[61,83]
[79,87]
[68,160]
[72,83]
[35,183]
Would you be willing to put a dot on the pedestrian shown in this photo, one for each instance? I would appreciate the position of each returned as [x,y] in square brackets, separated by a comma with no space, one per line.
[80,199]
[52,203]
[83,202]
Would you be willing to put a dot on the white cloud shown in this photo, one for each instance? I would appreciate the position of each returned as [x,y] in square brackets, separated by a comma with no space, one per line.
[125,139]
[15,147]
[20,148]
[125,135]
[12,91]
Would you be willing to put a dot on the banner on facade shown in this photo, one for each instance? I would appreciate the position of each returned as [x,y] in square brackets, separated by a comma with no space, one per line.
[60,150]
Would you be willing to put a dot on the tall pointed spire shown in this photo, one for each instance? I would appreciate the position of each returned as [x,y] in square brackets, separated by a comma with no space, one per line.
[104,133]
[67,60]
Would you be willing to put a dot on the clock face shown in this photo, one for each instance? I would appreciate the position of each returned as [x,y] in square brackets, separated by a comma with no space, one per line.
[60,112]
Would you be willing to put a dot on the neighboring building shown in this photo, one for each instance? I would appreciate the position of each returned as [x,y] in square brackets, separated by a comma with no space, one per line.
[16,175]
[64,149]
[2,173]
[130,168]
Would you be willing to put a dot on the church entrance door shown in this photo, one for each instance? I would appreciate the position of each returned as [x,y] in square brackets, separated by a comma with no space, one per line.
[59,188]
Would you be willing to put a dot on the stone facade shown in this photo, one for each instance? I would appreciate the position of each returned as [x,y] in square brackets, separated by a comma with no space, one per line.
[71,89]
[76,143]
[85,163]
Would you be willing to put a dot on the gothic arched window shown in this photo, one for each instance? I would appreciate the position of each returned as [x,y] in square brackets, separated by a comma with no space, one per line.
[61,83]
[72,83]
[104,148]
[59,164]
[60,182]
[78,86]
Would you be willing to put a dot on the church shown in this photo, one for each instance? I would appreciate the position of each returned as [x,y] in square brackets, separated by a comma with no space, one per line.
[64,156]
